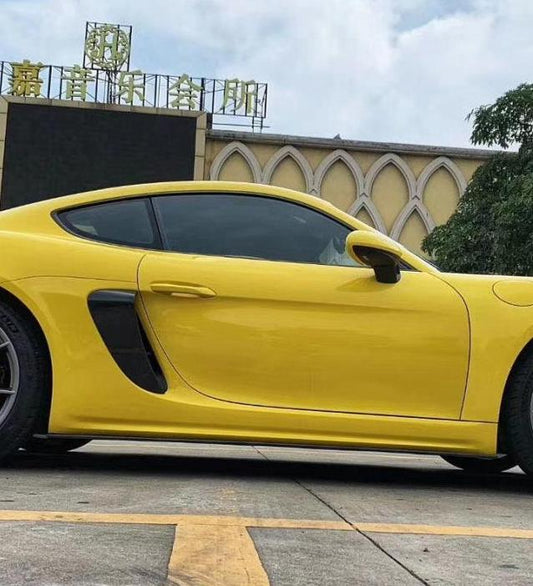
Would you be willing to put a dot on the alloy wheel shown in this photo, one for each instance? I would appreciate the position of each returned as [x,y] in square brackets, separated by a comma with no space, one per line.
[9,375]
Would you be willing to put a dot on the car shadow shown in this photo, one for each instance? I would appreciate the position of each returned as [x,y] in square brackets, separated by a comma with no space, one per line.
[208,466]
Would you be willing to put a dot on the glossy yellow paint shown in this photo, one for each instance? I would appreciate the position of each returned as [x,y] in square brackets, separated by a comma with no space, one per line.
[258,351]
[515,291]
[327,338]
[499,332]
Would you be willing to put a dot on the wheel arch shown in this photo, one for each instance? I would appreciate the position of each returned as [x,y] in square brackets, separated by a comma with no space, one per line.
[17,305]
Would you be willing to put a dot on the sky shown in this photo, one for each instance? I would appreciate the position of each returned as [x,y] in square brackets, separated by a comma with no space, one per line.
[381,70]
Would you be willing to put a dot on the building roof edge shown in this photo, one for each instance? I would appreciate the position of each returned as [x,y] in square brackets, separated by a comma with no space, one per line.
[359,145]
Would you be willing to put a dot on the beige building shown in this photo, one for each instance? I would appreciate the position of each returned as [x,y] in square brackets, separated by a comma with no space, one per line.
[403,190]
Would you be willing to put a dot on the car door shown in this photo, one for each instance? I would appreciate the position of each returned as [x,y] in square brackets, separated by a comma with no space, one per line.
[256,302]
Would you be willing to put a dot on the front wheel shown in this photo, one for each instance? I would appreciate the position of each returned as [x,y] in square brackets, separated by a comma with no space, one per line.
[517,415]
[482,465]
[24,378]
[38,445]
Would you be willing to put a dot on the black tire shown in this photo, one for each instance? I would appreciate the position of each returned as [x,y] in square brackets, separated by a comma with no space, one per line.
[482,465]
[24,351]
[53,445]
[517,414]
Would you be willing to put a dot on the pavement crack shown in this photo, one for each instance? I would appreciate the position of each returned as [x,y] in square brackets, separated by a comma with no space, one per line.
[391,557]
[343,518]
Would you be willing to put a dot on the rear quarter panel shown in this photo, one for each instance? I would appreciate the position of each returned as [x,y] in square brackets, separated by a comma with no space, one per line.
[32,244]
[52,273]
[24,256]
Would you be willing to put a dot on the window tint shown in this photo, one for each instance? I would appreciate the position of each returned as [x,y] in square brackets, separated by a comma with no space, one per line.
[125,222]
[250,227]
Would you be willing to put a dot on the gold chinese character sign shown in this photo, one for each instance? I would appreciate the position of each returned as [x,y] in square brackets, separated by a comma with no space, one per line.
[184,93]
[25,80]
[77,82]
[107,46]
[105,77]
[240,96]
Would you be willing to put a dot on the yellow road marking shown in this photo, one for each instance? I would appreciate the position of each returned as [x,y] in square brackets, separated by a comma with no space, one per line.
[149,519]
[444,530]
[205,555]
[227,521]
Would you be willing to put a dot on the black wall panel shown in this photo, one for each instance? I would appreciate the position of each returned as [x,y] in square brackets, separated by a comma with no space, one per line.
[53,150]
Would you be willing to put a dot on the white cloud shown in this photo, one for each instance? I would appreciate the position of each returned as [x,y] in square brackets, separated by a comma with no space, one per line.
[387,70]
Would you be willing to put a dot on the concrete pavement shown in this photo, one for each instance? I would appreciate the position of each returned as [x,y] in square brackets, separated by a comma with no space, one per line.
[163,513]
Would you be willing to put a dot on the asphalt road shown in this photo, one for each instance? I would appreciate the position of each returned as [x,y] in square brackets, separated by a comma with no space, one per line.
[144,513]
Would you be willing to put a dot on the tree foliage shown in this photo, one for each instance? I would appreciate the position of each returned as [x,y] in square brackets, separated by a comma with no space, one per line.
[491,230]
[506,122]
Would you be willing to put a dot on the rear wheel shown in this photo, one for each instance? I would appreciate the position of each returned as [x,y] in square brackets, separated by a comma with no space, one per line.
[53,445]
[517,414]
[24,378]
[482,465]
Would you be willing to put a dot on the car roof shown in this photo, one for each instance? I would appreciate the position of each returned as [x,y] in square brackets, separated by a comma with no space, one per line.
[170,188]
[42,209]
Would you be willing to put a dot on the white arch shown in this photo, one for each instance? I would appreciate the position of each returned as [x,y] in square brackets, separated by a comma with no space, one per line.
[414,206]
[225,154]
[297,157]
[400,164]
[329,161]
[435,165]
[364,202]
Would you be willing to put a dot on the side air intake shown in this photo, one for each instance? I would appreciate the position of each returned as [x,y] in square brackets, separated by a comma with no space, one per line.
[117,321]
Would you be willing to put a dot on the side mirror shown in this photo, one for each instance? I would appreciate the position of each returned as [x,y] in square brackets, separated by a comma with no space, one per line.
[372,249]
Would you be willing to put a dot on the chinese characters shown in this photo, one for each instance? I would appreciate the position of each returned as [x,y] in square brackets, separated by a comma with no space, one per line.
[25,80]
[105,77]
[239,95]
[135,88]
[131,87]
[185,93]
[77,80]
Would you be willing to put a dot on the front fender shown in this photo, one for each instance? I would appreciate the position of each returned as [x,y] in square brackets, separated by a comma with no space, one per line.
[499,332]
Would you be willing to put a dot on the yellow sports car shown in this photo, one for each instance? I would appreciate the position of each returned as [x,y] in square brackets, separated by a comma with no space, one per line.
[234,312]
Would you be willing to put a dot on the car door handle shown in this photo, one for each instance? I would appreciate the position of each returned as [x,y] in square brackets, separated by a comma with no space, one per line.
[182,290]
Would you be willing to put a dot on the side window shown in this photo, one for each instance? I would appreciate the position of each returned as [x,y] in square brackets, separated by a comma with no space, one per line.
[128,222]
[250,227]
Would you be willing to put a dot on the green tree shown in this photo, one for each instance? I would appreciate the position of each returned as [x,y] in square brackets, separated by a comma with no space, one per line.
[491,231]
